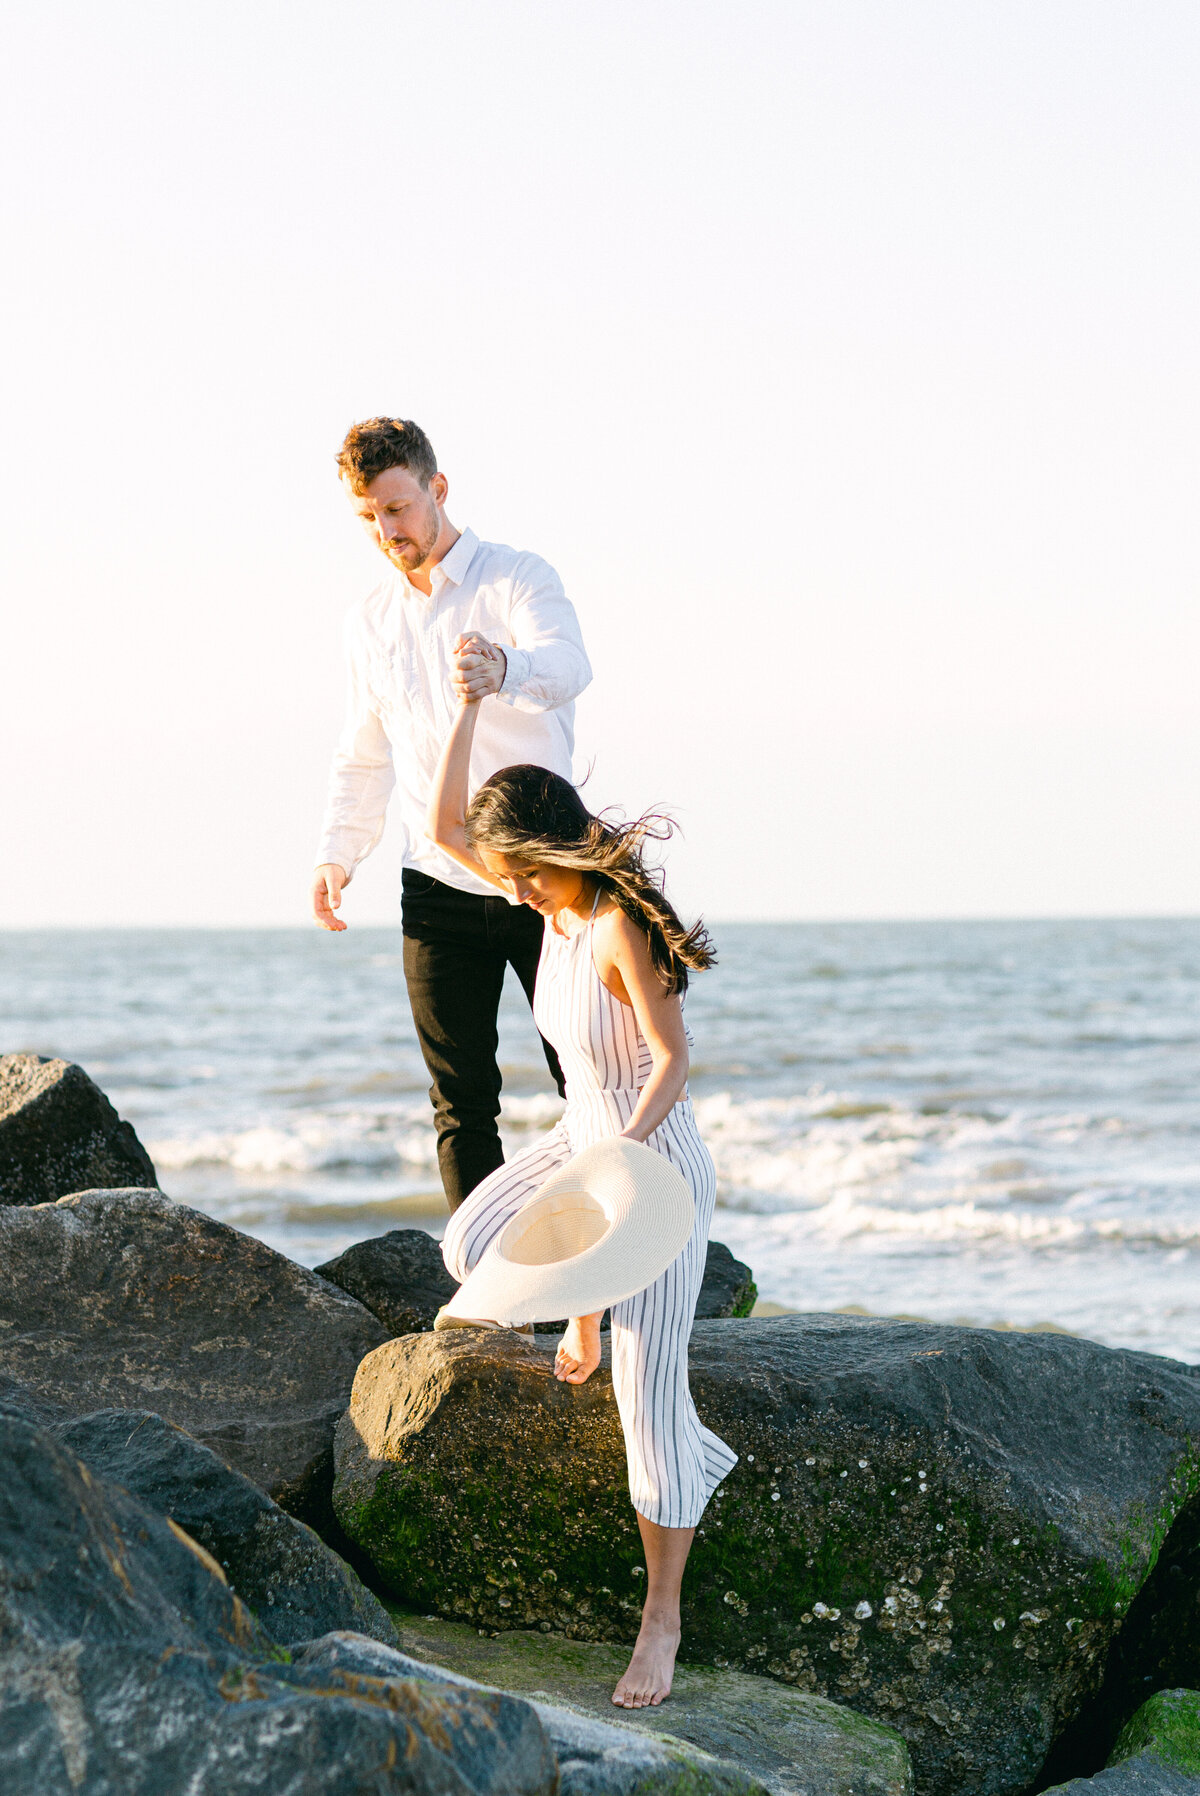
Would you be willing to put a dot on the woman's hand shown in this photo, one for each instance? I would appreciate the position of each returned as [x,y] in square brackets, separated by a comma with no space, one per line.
[479,668]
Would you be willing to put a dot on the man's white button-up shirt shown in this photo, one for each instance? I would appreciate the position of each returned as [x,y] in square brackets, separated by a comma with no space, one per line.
[400,703]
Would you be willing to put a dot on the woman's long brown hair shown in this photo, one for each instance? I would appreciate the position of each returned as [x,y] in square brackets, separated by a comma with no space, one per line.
[531,814]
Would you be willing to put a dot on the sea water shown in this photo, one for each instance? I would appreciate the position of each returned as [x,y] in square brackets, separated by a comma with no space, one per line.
[988,1122]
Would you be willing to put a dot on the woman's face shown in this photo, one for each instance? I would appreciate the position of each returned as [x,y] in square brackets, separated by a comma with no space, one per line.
[544,889]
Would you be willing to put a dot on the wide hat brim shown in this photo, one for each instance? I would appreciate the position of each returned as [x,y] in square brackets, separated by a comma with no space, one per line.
[630,1208]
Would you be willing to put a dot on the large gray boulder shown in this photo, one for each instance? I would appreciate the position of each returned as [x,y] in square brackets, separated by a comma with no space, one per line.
[128,1668]
[790,1742]
[296,1585]
[400,1277]
[59,1133]
[123,1299]
[941,1527]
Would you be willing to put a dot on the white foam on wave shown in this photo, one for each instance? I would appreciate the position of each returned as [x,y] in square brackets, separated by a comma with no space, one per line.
[844,1168]
[313,1141]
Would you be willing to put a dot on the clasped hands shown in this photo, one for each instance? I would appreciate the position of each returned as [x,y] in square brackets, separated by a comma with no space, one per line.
[479,668]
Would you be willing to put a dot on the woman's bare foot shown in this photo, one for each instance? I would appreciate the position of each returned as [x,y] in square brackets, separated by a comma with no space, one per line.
[651,1668]
[579,1350]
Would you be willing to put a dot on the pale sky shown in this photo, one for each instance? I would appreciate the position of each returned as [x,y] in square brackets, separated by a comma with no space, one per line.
[842,357]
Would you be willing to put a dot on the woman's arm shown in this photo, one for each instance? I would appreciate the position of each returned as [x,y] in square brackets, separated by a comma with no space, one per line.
[659,1014]
[445,819]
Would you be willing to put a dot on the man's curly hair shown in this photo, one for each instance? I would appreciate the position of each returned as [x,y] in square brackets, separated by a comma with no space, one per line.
[376,445]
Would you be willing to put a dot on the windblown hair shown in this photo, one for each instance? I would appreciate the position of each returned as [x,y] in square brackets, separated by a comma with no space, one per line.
[371,448]
[532,814]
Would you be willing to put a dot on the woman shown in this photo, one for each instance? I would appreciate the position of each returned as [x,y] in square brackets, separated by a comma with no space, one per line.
[610,982]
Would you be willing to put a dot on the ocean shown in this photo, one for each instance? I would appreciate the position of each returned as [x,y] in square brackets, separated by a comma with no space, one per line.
[993,1123]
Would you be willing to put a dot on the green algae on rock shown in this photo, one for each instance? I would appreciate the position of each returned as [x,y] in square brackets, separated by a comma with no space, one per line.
[1168,1727]
[941,1527]
[794,1743]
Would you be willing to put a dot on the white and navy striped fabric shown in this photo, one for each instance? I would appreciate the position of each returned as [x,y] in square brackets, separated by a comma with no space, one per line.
[675,1463]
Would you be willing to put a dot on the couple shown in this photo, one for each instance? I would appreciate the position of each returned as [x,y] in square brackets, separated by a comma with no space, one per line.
[463,667]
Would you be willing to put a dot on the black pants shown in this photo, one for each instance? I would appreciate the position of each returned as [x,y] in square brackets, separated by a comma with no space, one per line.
[456,949]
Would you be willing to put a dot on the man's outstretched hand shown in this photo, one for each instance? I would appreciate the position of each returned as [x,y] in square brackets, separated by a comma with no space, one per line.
[479,668]
[327,895]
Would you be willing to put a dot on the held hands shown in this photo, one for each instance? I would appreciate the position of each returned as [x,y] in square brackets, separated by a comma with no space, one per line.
[479,668]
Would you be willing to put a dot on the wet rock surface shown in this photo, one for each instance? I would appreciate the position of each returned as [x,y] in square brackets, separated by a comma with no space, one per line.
[129,1668]
[59,1133]
[790,1742]
[281,1569]
[940,1527]
[400,1277]
[123,1299]
[595,1757]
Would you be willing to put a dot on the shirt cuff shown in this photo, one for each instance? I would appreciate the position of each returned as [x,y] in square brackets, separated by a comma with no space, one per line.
[516,671]
[336,853]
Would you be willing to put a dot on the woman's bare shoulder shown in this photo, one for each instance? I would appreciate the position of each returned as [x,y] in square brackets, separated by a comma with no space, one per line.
[616,932]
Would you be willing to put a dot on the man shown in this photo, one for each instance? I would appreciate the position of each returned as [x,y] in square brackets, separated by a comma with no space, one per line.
[497,620]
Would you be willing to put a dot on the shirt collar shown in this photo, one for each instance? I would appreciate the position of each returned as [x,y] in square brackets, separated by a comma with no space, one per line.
[456,561]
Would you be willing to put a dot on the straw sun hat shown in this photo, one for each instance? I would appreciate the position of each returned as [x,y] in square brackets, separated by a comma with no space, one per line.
[601,1228]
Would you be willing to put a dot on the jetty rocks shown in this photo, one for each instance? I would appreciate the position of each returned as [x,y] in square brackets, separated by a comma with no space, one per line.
[123,1299]
[129,1668]
[944,1528]
[59,1133]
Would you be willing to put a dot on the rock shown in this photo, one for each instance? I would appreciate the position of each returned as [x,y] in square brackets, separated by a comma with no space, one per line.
[602,1758]
[129,1668]
[123,1299]
[594,1758]
[941,1527]
[1158,1648]
[728,1288]
[59,1133]
[1157,1754]
[400,1277]
[788,1740]
[1166,1728]
[280,1568]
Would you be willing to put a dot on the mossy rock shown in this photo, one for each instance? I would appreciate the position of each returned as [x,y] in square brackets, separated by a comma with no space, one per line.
[1168,1728]
[789,1740]
[940,1527]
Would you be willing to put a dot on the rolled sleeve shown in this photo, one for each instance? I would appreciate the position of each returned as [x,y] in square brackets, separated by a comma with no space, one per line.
[547,664]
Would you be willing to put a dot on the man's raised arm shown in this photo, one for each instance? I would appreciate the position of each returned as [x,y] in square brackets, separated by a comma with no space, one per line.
[546,664]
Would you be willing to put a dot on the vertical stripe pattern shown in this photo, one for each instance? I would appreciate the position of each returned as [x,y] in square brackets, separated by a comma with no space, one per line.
[675,1463]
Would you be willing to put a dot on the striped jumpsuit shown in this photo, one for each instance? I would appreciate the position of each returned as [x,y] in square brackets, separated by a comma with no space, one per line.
[675,1463]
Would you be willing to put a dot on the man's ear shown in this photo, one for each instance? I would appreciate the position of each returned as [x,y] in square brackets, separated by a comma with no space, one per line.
[439,486]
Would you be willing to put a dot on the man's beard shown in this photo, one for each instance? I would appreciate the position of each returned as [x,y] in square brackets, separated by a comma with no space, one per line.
[410,552]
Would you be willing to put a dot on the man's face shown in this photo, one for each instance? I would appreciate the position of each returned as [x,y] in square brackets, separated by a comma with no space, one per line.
[401,516]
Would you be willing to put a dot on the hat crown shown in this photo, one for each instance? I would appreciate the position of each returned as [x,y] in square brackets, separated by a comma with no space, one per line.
[557,1227]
